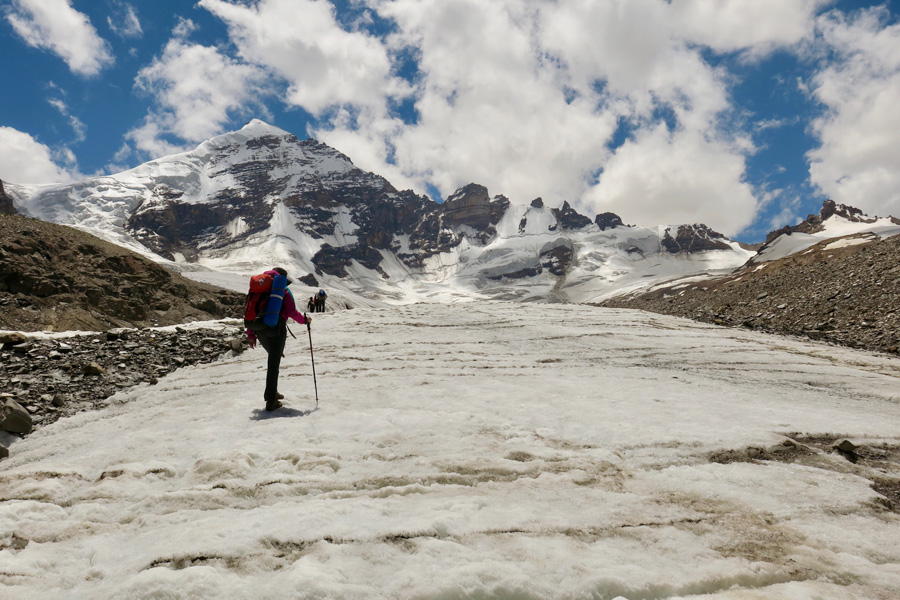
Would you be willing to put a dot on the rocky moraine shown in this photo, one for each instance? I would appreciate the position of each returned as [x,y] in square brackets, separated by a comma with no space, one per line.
[43,378]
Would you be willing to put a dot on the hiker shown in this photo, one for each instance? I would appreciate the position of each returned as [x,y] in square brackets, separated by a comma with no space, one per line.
[273,340]
[311,305]
[320,301]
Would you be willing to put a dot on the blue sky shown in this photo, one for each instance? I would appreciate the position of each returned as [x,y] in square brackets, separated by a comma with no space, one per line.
[743,114]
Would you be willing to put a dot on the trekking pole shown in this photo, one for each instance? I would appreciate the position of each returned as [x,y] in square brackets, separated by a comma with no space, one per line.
[313,358]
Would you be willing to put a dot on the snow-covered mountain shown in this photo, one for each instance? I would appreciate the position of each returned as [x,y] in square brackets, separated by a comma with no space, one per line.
[844,224]
[259,196]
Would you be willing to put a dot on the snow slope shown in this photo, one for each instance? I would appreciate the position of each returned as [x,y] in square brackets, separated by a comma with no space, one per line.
[486,450]
[836,226]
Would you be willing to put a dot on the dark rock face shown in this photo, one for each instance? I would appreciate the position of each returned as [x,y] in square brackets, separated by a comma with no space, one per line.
[470,206]
[54,277]
[6,204]
[437,229]
[847,296]
[334,260]
[309,280]
[569,218]
[557,257]
[694,238]
[608,220]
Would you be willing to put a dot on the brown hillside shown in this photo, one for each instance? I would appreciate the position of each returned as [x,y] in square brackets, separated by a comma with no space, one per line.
[57,278]
[847,295]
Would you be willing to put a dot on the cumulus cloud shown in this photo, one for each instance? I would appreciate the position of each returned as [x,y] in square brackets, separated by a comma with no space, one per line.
[26,160]
[755,26]
[197,90]
[533,98]
[858,161]
[324,65]
[488,109]
[55,26]
[670,178]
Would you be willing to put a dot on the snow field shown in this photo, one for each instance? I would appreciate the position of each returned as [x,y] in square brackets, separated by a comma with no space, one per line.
[480,450]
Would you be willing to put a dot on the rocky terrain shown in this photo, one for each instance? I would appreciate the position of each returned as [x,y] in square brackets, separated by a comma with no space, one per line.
[45,378]
[847,295]
[57,278]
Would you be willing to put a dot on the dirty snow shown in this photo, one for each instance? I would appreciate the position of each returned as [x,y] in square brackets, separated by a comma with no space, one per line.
[469,451]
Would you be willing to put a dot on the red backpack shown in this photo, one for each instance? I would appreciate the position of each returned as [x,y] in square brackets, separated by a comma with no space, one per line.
[257,298]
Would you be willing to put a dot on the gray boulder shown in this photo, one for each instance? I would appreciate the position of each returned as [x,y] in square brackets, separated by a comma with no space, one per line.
[13,417]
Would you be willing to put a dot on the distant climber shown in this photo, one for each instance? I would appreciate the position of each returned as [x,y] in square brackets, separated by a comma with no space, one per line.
[320,301]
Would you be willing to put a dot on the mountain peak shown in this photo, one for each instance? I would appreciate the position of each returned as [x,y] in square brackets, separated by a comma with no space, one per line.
[258,128]
[254,129]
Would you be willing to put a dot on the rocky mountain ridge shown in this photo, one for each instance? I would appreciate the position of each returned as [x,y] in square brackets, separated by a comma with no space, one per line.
[844,291]
[261,196]
[815,223]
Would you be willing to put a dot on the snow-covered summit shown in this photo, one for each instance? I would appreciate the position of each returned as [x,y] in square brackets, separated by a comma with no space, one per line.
[259,196]
[258,128]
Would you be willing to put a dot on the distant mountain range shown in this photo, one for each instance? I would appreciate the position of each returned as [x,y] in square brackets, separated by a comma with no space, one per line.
[258,197]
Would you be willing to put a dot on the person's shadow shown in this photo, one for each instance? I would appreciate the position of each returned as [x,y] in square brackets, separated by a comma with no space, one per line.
[260,414]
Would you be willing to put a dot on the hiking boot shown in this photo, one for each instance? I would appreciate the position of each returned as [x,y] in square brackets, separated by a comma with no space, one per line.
[273,405]
[280,396]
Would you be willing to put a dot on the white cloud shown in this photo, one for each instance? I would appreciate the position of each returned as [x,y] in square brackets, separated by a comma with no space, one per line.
[124,21]
[790,213]
[197,91]
[858,161]
[755,26]
[526,96]
[55,26]
[669,178]
[325,66]
[26,160]
[526,99]
[77,125]
[487,111]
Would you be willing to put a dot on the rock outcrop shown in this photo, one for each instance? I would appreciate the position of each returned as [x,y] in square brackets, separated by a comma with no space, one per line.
[6,203]
[694,238]
[608,220]
[569,218]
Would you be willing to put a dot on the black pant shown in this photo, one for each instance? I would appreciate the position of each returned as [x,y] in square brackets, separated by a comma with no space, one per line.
[273,340]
